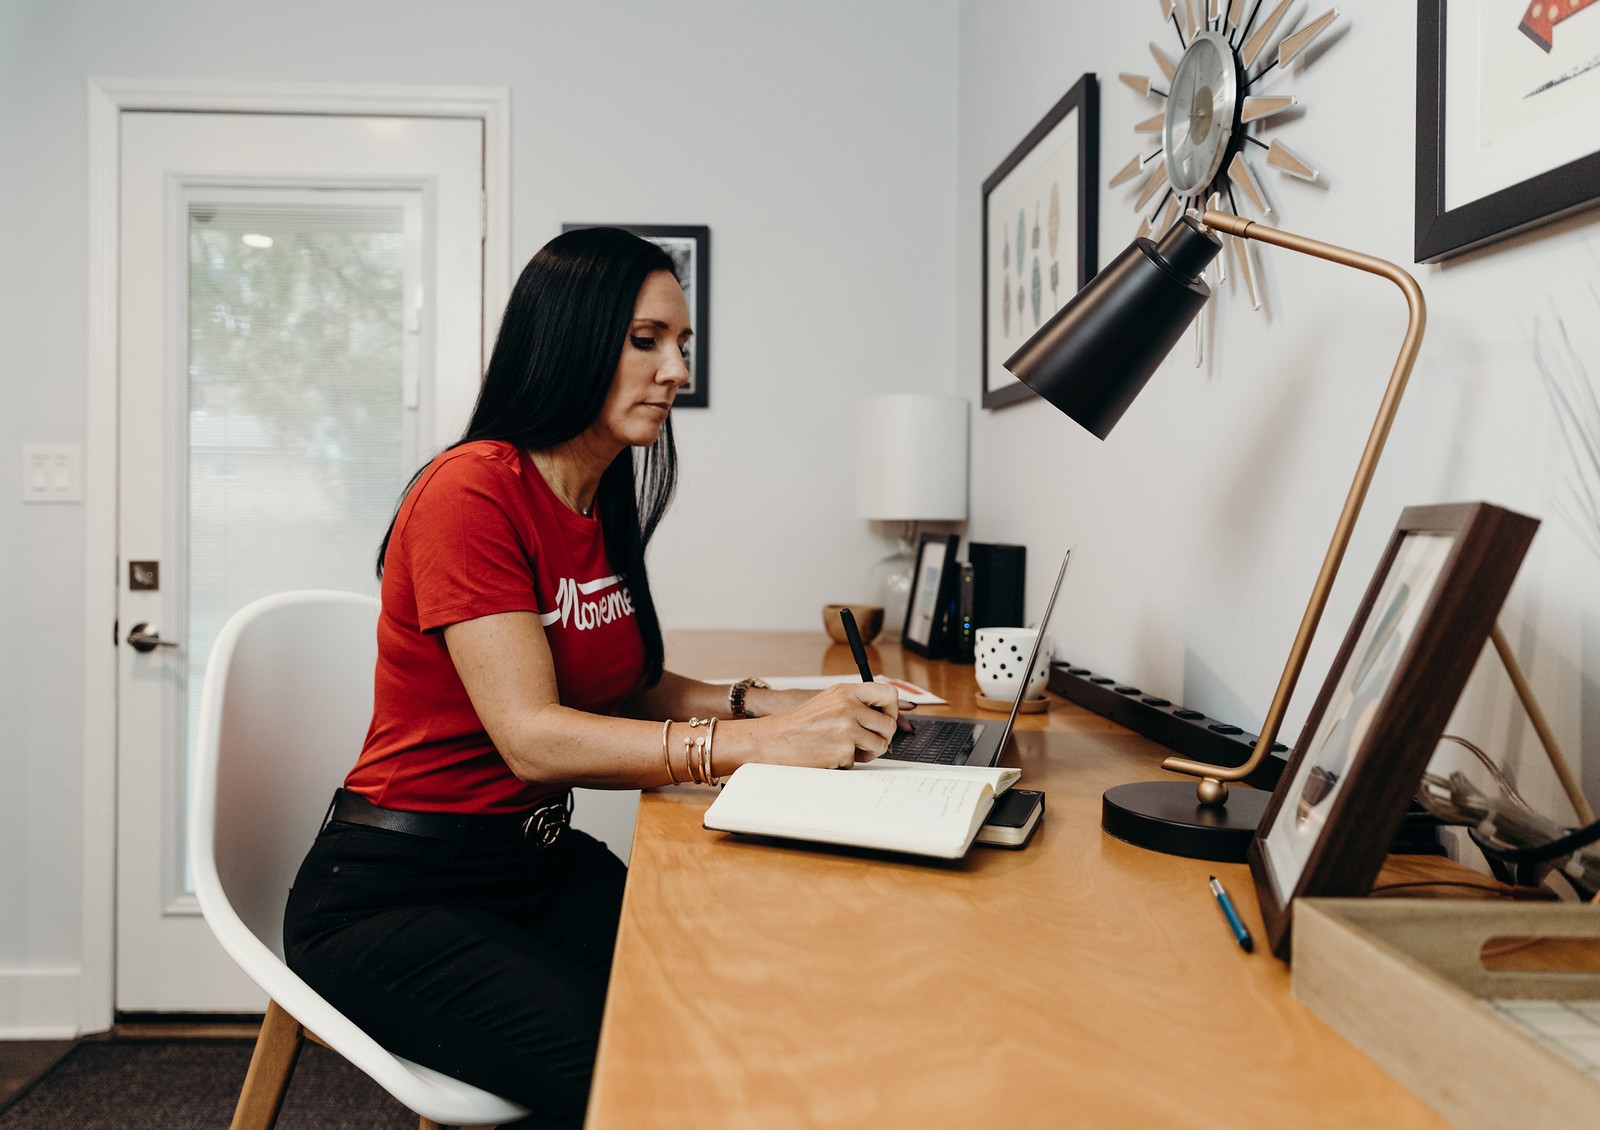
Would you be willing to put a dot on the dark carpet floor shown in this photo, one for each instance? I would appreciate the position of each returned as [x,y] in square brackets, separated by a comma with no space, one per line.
[193,1085]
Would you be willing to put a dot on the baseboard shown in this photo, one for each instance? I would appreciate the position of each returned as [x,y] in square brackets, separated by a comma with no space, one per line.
[186,1026]
[39,1003]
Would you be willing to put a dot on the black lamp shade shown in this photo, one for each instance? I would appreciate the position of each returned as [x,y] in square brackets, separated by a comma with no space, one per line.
[1095,354]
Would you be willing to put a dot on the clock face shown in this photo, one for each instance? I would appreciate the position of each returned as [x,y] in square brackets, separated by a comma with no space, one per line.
[1219,87]
[1201,114]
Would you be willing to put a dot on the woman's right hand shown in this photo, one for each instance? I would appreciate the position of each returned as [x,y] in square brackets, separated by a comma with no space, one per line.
[842,725]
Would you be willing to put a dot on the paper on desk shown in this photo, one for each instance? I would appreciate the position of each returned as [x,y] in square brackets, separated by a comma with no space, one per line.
[908,691]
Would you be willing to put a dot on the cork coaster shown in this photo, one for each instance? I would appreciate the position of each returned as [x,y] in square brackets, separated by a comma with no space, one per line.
[1003,705]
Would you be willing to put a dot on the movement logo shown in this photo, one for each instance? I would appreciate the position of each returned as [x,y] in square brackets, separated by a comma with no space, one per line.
[578,607]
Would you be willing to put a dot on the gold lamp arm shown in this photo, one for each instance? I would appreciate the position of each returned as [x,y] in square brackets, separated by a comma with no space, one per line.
[1211,790]
[1541,727]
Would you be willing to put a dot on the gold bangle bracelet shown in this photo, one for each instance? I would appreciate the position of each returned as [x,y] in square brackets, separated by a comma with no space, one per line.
[697,750]
[711,733]
[688,760]
[665,726]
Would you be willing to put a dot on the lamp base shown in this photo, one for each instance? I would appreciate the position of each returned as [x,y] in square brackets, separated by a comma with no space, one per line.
[1167,816]
[889,585]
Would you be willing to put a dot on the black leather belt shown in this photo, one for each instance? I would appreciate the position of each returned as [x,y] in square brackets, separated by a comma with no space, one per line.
[542,825]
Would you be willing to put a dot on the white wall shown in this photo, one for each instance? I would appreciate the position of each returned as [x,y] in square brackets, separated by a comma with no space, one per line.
[1202,520]
[818,143]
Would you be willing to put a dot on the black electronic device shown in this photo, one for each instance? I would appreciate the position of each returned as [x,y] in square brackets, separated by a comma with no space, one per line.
[962,629]
[998,576]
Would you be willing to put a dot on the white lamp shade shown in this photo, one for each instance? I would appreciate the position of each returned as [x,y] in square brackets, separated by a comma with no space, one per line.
[911,458]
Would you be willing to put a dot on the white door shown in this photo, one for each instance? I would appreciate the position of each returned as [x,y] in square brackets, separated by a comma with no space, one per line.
[301,311]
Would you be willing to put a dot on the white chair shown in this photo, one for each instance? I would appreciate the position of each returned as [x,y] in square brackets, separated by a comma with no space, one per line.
[287,700]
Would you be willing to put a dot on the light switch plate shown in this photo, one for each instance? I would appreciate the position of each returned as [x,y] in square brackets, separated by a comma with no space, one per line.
[52,472]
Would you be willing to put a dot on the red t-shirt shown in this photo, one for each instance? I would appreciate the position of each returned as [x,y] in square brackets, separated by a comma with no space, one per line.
[481,533]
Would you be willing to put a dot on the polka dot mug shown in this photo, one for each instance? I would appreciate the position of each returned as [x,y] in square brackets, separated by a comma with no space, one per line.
[1000,656]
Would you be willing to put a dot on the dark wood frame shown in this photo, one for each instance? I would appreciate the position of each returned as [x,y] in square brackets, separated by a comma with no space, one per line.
[1385,768]
[697,393]
[1442,234]
[938,629]
[1084,98]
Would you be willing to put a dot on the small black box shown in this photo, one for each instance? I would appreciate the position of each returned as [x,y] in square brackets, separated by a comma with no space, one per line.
[998,574]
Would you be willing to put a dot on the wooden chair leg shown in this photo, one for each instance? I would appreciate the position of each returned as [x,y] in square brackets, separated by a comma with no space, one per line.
[277,1048]
[428,1124]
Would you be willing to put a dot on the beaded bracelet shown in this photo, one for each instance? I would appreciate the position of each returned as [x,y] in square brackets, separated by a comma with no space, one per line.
[736,694]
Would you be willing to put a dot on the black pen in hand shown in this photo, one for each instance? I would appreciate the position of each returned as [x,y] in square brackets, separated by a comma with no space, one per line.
[859,650]
[853,634]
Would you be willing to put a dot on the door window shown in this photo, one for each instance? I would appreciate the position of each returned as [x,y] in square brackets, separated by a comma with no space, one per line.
[301,384]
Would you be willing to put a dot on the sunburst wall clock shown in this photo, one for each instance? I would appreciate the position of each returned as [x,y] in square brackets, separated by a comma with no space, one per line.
[1213,109]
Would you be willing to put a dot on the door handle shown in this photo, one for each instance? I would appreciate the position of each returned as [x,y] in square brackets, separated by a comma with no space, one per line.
[142,637]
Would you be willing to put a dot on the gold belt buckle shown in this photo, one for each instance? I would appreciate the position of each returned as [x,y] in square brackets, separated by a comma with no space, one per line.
[546,823]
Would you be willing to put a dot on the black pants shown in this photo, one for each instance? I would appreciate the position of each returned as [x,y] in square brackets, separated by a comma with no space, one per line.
[481,957]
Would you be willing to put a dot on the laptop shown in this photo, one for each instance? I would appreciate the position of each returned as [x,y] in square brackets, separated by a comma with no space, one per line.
[970,741]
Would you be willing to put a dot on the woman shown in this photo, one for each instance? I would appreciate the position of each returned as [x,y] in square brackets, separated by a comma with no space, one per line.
[446,906]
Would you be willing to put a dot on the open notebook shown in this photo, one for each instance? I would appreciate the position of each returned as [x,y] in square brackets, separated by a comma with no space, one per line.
[889,805]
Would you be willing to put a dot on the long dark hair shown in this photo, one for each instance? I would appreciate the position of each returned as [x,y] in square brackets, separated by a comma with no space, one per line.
[552,366]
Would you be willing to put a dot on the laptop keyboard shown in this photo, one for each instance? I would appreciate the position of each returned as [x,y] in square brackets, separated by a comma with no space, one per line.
[933,742]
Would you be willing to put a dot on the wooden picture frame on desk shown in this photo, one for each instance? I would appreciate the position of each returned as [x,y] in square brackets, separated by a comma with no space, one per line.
[933,579]
[1415,638]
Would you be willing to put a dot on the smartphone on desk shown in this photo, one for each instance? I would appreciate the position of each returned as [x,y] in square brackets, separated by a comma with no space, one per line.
[1013,819]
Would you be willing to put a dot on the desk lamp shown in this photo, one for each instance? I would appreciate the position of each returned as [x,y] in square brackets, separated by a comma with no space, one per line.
[1090,360]
[911,466]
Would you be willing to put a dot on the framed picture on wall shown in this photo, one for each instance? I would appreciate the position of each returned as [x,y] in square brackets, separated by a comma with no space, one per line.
[1040,230]
[690,248]
[1420,628]
[1508,118]
[932,585]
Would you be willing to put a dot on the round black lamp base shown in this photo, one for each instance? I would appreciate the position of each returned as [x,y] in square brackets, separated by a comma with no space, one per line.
[1167,816]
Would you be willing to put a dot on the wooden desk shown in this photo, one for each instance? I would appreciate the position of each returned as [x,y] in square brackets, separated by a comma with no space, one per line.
[1081,982]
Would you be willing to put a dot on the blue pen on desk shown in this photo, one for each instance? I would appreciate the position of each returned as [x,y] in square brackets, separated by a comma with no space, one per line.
[1235,923]
[853,634]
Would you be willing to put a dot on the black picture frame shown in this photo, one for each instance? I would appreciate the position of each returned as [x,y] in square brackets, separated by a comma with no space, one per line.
[1542,196]
[1067,139]
[690,248]
[1415,638]
[933,578]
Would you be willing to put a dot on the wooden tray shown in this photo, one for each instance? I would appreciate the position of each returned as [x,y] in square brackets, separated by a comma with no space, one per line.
[1410,983]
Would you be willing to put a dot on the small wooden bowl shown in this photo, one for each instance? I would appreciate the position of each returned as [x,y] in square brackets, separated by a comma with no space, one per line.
[869,621]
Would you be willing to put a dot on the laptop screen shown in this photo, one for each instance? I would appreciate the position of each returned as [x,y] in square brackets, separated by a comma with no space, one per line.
[1033,656]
